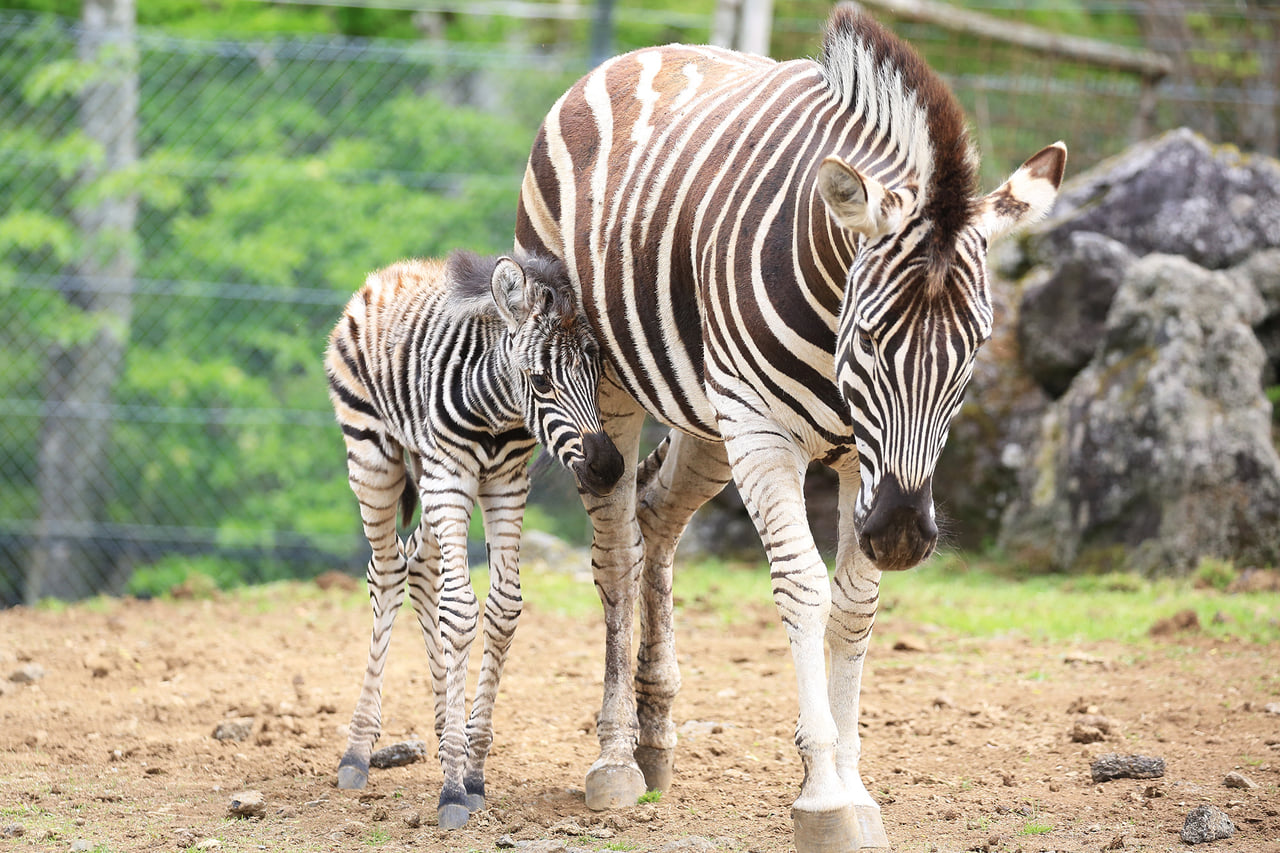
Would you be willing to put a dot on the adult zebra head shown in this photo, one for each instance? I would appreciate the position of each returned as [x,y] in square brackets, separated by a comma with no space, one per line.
[558,364]
[916,306]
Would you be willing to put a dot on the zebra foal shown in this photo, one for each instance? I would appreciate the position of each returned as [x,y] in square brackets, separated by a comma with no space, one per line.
[451,372]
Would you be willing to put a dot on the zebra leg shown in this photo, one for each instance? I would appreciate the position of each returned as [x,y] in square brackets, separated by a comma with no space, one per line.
[617,556]
[425,584]
[502,504]
[855,595]
[448,497]
[377,478]
[769,469]
[680,475]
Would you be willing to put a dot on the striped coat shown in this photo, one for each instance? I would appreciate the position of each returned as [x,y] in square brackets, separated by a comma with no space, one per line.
[784,261]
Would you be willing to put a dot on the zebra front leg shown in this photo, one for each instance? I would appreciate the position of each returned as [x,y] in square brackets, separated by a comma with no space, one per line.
[377,481]
[447,501]
[680,475]
[769,470]
[617,555]
[854,599]
[502,504]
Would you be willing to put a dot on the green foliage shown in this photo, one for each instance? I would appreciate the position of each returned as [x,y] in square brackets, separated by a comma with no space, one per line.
[1215,573]
[648,797]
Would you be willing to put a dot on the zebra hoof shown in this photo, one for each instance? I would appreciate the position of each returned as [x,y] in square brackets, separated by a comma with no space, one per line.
[871,834]
[475,802]
[614,786]
[452,816]
[834,831]
[352,778]
[657,765]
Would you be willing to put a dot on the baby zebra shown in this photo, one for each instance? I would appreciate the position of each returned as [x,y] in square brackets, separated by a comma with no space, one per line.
[452,372]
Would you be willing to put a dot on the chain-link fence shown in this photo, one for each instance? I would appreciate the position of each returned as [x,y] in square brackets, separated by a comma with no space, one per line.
[181,220]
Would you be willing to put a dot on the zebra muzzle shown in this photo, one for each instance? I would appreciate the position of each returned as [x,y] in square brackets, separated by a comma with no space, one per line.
[602,465]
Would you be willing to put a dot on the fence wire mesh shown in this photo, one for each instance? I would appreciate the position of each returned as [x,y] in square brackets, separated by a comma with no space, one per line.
[182,219]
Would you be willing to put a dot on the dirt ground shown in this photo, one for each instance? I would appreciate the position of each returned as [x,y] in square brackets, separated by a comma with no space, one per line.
[967,743]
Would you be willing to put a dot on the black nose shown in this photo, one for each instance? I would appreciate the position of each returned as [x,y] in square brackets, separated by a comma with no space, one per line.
[602,464]
[899,531]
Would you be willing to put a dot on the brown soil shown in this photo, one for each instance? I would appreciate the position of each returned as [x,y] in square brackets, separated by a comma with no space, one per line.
[967,743]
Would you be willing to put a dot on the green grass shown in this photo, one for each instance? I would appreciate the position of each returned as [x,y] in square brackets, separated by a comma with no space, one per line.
[650,796]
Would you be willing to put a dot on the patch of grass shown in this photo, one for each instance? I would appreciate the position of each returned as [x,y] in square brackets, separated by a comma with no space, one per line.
[377,837]
[1215,573]
[650,796]
[1034,827]
[975,596]
[620,845]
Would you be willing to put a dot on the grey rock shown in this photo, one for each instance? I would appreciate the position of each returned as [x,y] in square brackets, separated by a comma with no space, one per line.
[28,673]
[81,845]
[1174,194]
[13,830]
[542,845]
[1205,824]
[238,728]
[398,754]
[247,804]
[1064,308]
[691,844]
[1239,780]
[505,842]
[1160,452]
[1113,766]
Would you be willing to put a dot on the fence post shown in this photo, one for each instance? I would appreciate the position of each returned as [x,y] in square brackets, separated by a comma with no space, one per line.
[74,477]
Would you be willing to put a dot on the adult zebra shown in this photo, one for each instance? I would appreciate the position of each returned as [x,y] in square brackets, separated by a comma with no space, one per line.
[785,262]
[451,372]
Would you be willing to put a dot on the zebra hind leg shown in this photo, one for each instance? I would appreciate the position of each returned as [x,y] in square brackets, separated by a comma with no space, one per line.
[680,475]
[377,488]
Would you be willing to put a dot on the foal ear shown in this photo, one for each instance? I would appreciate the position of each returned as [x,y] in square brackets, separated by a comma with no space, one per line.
[507,286]
[1026,196]
[856,201]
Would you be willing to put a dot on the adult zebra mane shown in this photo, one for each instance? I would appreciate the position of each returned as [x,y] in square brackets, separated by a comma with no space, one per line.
[876,74]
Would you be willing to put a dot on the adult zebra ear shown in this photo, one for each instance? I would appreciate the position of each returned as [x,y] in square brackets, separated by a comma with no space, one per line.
[1026,196]
[859,202]
[507,286]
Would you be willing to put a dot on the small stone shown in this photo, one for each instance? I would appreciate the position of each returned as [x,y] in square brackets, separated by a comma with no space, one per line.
[247,804]
[1116,843]
[1098,721]
[1271,708]
[399,754]
[209,844]
[505,842]
[81,845]
[28,673]
[13,830]
[1239,780]
[1113,766]
[1083,733]
[1206,823]
[691,844]
[238,728]
[99,665]
[1181,622]
[910,643]
[413,819]
[568,826]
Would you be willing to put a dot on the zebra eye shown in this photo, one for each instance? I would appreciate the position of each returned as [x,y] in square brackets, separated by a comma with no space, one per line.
[865,342]
[541,383]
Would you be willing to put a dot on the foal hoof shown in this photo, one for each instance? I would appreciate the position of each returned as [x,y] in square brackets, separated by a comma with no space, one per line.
[452,816]
[614,786]
[475,802]
[352,778]
[871,834]
[656,764]
[835,831]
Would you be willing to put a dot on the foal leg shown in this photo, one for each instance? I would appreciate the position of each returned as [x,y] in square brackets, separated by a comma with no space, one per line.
[425,585]
[376,472]
[448,495]
[854,598]
[680,475]
[617,556]
[502,504]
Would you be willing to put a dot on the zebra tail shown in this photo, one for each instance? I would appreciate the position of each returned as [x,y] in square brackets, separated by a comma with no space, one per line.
[409,495]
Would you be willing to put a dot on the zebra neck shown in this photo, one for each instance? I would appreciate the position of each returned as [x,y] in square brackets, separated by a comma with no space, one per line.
[494,387]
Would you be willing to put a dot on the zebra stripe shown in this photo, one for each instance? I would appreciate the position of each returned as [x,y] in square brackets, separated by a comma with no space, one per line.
[452,372]
[784,261]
